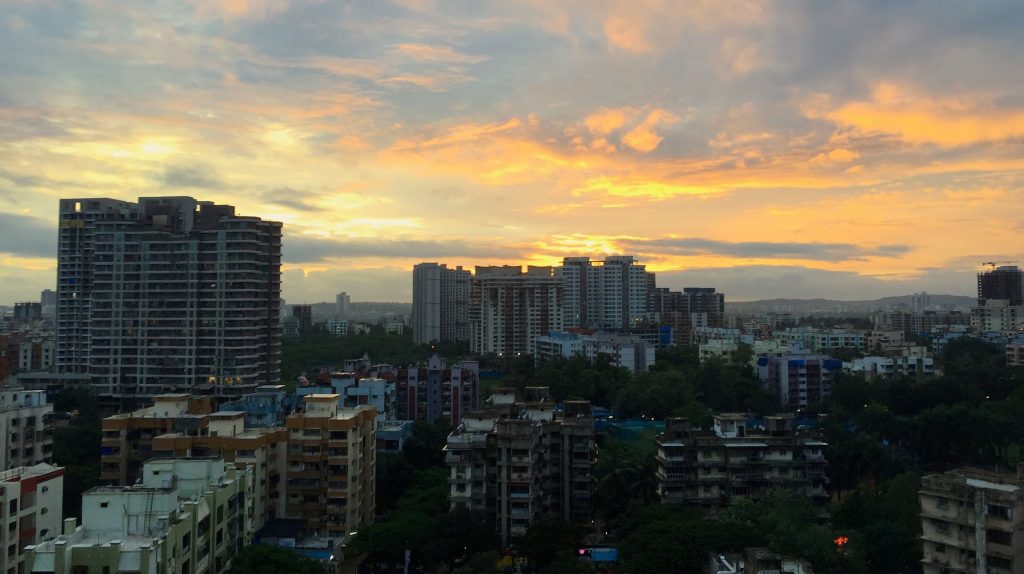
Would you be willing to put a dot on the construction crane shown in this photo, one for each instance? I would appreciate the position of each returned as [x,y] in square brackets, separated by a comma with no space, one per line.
[993,264]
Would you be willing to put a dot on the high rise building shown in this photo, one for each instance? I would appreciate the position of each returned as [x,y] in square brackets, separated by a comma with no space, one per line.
[707,308]
[303,314]
[1004,282]
[169,293]
[28,311]
[798,378]
[609,295]
[510,309]
[440,303]
[342,302]
[48,298]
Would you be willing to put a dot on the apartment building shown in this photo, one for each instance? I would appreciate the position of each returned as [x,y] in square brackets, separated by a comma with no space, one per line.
[263,451]
[128,437]
[437,389]
[972,521]
[440,303]
[510,308]
[822,340]
[997,316]
[734,459]
[167,294]
[608,295]
[622,350]
[186,517]
[31,509]
[916,366]
[1015,354]
[331,467]
[26,428]
[798,378]
[520,462]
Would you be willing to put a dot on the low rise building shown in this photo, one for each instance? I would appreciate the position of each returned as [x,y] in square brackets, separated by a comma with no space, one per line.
[1015,354]
[186,516]
[31,505]
[972,520]
[798,378]
[267,407]
[822,340]
[332,457]
[623,350]
[26,428]
[907,365]
[128,437]
[520,462]
[997,316]
[709,468]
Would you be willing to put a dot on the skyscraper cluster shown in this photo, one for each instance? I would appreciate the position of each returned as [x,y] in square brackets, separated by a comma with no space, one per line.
[505,309]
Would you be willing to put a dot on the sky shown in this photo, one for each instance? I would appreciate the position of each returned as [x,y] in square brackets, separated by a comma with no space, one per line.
[838,149]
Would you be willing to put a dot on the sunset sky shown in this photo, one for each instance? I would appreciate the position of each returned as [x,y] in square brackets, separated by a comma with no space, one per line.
[801,149]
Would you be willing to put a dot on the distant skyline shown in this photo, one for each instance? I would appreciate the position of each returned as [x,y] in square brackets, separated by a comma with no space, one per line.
[845,150]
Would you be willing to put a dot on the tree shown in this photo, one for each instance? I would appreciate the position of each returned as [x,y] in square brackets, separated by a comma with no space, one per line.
[265,559]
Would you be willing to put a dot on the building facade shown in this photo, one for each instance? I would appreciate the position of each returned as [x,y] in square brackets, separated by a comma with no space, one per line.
[608,295]
[332,454]
[1003,283]
[734,460]
[622,350]
[32,507]
[510,309]
[972,520]
[798,379]
[440,303]
[186,517]
[26,428]
[520,462]
[167,294]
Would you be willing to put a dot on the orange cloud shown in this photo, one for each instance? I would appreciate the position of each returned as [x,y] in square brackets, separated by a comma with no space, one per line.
[921,119]
[627,33]
[432,53]
[607,120]
[644,138]
[839,155]
[640,188]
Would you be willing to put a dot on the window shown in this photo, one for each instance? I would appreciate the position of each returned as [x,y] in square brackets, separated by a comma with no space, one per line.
[104,504]
[999,537]
[1000,512]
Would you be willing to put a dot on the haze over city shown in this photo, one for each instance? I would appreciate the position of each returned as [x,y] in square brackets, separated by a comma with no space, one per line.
[847,150]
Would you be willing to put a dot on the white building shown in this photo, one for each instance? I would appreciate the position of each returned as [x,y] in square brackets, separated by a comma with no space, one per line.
[510,309]
[624,351]
[32,508]
[440,303]
[882,367]
[337,327]
[26,431]
[822,339]
[997,316]
[187,516]
[603,295]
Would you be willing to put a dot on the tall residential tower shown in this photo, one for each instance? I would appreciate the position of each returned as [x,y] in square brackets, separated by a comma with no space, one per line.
[168,294]
[440,303]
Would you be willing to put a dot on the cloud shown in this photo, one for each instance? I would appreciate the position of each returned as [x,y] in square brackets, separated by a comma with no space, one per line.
[644,138]
[26,235]
[607,120]
[839,155]
[747,282]
[195,175]
[917,118]
[307,249]
[627,33]
[811,251]
[288,197]
[435,53]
